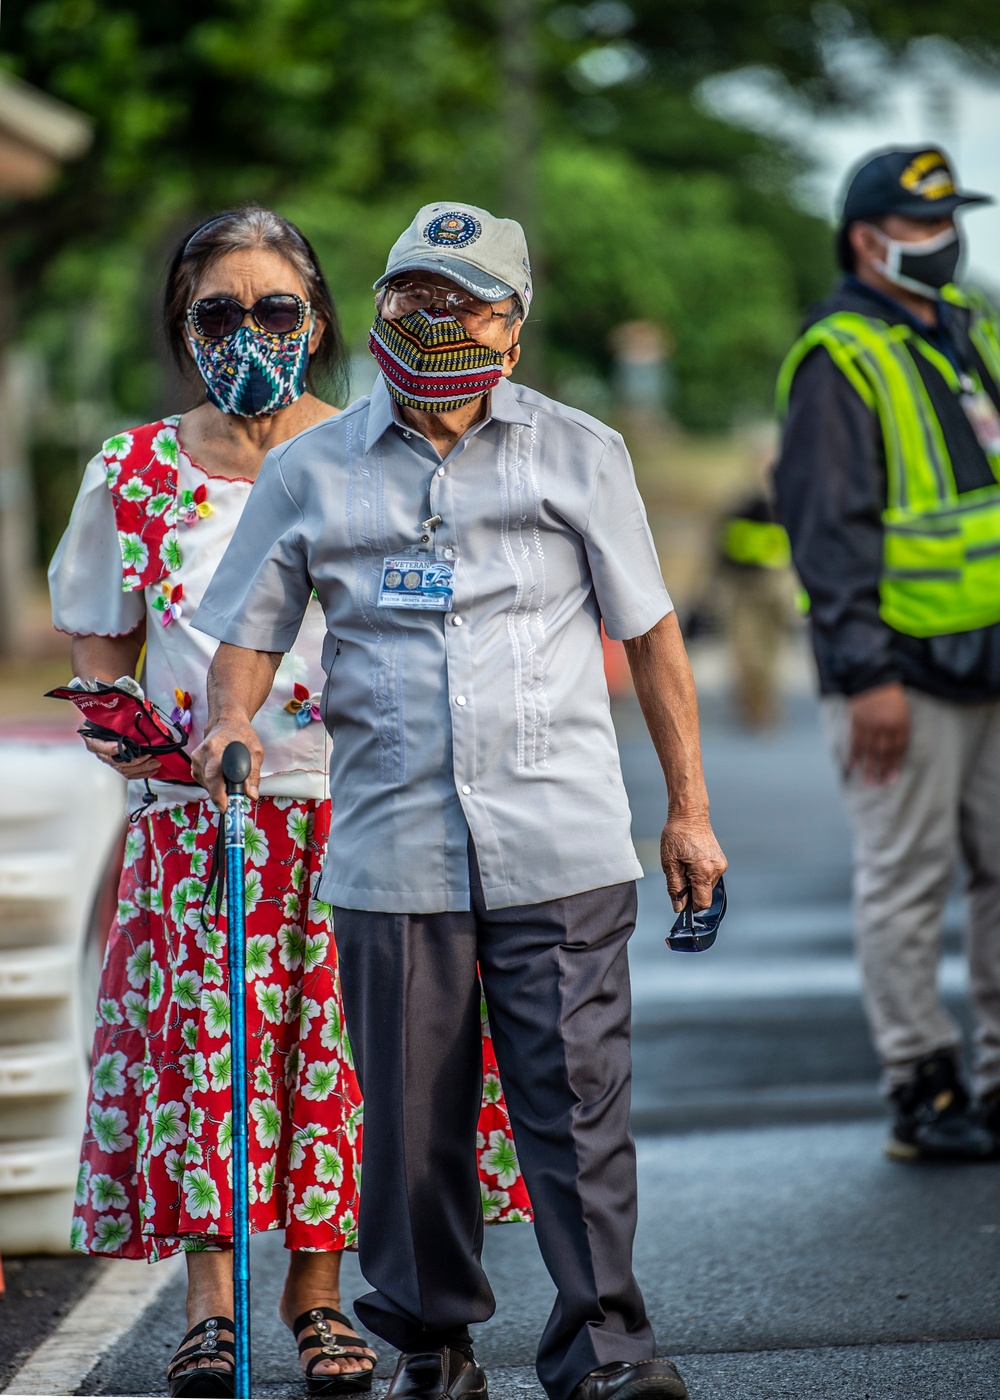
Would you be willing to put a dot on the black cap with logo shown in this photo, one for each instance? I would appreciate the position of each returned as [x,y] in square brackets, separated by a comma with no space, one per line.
[916,181]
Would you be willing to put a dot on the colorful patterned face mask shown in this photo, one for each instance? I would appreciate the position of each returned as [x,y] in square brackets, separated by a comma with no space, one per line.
[252,373]
[431,364]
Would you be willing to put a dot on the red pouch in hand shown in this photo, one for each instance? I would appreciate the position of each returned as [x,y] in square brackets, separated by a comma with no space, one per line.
[140,729]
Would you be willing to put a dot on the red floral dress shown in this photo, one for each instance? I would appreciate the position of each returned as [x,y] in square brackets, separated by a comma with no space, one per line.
[155,1175]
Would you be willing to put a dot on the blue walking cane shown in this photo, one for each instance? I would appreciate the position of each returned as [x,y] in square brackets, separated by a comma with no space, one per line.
[236,770]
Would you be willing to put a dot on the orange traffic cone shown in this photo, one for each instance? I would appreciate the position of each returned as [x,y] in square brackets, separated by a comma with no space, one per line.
[616,668]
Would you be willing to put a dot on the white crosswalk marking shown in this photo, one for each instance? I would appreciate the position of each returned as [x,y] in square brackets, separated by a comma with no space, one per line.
[741,979]
[115,1301]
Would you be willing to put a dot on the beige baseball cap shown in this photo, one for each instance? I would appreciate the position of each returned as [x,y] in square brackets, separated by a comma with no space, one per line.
[485,255]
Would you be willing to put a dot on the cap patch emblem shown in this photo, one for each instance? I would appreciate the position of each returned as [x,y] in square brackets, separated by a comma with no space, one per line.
[452,230]
[928,176]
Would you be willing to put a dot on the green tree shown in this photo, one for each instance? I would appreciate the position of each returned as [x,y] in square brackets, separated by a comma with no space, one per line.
[348,116]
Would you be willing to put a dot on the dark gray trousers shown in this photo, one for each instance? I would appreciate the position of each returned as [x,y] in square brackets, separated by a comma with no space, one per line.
[556,982]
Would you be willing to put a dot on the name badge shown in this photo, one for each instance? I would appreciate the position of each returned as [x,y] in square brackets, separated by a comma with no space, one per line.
[417,582]
[985,420]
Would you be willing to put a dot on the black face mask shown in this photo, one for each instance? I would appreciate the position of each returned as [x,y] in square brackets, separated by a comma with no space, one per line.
[923,267]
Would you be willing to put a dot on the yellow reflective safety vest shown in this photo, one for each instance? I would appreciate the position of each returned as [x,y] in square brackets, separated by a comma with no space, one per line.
[762,544]
[941,561]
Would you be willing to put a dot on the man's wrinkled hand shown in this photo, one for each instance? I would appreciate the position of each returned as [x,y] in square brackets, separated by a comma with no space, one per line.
[692,860]
[206,761]
[880,733]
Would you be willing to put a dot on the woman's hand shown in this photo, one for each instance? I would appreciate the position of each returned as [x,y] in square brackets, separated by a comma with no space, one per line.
[94,657]
[105,659]
[105,750]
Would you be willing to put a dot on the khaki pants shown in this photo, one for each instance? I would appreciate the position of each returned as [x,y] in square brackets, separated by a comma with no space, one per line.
[906,839]
[758,607]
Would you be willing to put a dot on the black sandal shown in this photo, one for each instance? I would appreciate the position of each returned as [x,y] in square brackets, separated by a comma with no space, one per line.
[206,1381]
[329,1346]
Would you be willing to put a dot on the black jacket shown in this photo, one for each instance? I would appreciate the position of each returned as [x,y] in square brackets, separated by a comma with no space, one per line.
[830,488]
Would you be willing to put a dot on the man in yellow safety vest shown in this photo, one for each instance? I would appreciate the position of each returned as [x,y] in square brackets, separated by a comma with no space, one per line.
[888,482]
[756,595]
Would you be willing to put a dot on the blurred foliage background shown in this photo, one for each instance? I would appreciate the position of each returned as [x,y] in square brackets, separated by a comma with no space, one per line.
[582,120]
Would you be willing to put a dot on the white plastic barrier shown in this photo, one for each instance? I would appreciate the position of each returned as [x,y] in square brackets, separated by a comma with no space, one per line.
[60,820]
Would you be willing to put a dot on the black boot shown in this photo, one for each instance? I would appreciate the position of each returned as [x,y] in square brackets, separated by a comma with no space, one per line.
[934,1120]
[988,1115]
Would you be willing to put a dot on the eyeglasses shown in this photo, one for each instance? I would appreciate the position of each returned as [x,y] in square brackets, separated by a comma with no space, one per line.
[402,297]
[281,313]
[695,930]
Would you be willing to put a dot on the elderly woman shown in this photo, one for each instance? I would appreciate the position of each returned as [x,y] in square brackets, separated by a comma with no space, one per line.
[248,308]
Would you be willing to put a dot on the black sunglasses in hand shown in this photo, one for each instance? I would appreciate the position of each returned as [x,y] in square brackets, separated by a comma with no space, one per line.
[695,930]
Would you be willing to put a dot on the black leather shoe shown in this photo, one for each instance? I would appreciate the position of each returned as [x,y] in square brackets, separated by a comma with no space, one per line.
[446,1374]
[633,1380]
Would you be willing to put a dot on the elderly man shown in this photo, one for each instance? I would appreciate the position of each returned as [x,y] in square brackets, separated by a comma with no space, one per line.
[466,538]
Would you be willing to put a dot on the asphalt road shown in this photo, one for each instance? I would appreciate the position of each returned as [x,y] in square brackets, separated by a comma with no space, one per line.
[768,1026]
[776,1262]
[780,1252]
[40,1291]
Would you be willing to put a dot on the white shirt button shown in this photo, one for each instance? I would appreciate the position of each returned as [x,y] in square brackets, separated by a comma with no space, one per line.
[459,699]
[440,471]
[457,621]
[466,789]
[449,554]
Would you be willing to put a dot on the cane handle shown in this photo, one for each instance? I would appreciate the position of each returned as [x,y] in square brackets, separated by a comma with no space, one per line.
[236,766]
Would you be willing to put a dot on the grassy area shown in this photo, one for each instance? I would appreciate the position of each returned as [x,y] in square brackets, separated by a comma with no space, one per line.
[687,483]
[23,684]
[42,663]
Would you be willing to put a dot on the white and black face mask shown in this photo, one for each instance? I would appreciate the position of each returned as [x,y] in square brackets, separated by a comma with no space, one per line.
[923,267]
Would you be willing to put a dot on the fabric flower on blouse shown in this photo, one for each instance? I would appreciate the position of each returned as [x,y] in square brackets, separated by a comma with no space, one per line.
[181,713]
[303,706]
[168,604]
[194,505]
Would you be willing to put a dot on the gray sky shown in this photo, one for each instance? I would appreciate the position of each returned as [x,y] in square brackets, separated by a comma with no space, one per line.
[936,99]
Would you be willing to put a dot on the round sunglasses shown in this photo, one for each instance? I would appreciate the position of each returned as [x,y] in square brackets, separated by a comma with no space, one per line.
[280,313]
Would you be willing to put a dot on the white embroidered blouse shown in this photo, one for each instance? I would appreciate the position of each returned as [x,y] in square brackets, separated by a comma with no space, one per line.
[93,594]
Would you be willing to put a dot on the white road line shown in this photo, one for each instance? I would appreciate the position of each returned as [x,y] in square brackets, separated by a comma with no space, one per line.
[119,1295]
[745,979]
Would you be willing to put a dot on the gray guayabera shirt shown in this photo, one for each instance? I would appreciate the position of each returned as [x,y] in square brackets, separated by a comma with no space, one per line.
[492,718]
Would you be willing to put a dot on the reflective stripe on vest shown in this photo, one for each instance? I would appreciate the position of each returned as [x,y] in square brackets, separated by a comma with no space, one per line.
[941,562]
[761,544]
